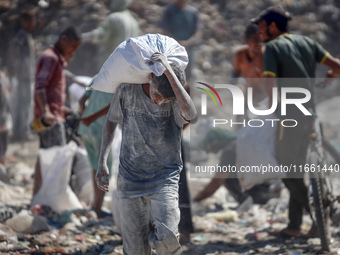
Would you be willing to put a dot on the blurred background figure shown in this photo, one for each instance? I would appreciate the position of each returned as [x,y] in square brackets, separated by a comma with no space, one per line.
[181,22]
[5,120]
[218,139]
[248,63]
[92,135]
[292,56]
[116,28]
[22,62]
[50,93]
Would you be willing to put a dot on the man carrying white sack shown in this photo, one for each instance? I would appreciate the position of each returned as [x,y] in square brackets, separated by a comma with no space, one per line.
[152,116]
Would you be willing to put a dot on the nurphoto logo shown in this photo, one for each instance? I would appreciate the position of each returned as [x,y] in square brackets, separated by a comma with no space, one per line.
[239,99]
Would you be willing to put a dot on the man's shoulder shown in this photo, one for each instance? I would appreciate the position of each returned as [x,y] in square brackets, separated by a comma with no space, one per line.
[188,8]
[296,40]
[49,54]
[241,51]
[127,88]
[119,15]
[19,37]
[169,9]
[274,44]
[287,37]
[274,41]
[191,8]
[303,38]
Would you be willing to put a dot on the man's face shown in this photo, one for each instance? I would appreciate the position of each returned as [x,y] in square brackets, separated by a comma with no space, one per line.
[254,43]
[107,3]
[264,31]
[30,24]
[69,47]
[180,4]
[157,97]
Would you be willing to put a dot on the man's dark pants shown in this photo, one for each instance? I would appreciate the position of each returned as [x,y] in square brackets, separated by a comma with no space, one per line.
[291,151]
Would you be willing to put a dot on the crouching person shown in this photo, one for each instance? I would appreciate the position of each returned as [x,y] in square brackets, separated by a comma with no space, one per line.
[152,117]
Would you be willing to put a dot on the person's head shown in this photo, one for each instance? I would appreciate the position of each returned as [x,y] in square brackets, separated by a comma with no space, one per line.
[180,3]
[68,42]
[252,38]
[117,5]
[272,22]
[28,20]
[160,89]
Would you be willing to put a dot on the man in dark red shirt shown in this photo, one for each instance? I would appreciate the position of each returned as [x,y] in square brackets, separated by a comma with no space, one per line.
[50,92]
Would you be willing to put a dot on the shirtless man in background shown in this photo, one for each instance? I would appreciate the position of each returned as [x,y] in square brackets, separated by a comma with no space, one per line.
[248,63]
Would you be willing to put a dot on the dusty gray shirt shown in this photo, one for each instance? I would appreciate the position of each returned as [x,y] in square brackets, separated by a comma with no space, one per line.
[150,156]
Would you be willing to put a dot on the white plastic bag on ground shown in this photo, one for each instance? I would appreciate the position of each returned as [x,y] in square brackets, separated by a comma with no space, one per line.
[255,150]
[81,181]
[55,165]
[130,62]
[28,223]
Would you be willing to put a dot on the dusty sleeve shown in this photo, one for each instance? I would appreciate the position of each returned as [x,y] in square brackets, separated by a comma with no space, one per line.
[115,113]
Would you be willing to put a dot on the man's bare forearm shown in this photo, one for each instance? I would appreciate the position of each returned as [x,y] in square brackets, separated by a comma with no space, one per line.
[334,64]
[194,38]
[89,119]
[107,139]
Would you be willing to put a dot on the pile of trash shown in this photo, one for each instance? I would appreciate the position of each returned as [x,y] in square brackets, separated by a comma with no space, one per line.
[52,226]
[42,230]
[221,227]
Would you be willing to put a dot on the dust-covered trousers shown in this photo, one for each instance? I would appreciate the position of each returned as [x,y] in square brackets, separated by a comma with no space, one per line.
[150,222]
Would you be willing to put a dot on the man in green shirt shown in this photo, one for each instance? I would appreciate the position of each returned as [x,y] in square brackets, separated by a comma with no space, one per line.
[293,57]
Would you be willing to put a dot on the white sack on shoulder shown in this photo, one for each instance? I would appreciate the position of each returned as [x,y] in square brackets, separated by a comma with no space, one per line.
[130,62]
